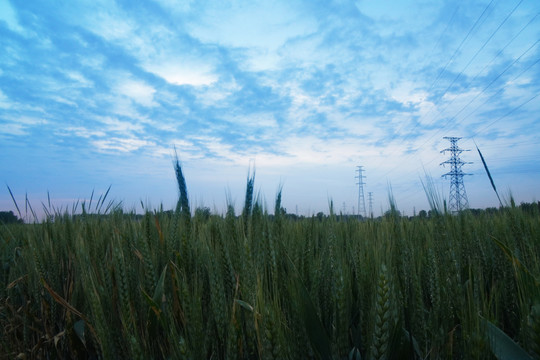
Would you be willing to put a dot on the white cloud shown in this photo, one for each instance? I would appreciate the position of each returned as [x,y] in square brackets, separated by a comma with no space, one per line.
[257,120]
[81,131]
[138,91]
[158,49]
[259,28]
[8,15]
[176,6]
[399,17]
[185,149]
[360,126]
[216,148]
[216,94]
[121,144]
[13,129]
[113,124]
[17,125]
[252,24]
[180,72]
[294,150]
[79,78]
[407,93]
[162,124]
[109,23]
[95,62]
[4,101]
[29,120]
[62,100]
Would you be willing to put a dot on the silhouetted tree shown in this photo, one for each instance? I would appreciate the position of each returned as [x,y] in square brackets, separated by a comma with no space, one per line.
[8,217]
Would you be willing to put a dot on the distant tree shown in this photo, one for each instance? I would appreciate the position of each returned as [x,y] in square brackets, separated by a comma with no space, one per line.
[423,214]
[320,215]
[530,208]
[491,210]
[392,213]
[168,213]
[203,213]
[8,217]
[293,217]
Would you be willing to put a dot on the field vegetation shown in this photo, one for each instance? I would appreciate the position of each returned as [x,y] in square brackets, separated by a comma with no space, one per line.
[172,285]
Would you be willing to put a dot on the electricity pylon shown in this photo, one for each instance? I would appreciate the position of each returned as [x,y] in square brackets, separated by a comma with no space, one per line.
[361,199]
[458,196]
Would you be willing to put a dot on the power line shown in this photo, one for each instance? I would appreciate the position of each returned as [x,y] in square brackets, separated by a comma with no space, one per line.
[470,137]
[505,115]
[477,52]
[415,186]
[470,102]
[461,44]
[453,120]
[452,57]
[483,91]
[496,120]
[504,48]
[444,31]
[498,92]
[470,61]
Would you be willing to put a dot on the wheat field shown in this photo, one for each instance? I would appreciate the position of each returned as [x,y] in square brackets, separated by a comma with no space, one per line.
[172,285]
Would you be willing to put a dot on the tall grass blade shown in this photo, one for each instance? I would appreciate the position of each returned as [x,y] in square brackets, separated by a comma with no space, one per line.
[100,203]
[433,196]
[60,300]
[502,346]
[46,210]
[90,202]
[74,207]
[318,337]
[29,206]
[160,287]
[489,175]
[14,201]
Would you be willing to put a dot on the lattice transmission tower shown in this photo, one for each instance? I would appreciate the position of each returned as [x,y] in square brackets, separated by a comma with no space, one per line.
[458,196]
[361,198]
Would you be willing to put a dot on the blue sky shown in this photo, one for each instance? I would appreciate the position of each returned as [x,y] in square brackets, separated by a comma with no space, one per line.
[97,93]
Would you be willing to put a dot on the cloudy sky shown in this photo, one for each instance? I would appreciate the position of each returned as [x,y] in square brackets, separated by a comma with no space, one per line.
[99,93]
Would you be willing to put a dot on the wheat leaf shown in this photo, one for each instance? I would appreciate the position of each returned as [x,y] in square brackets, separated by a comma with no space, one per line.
[502,346]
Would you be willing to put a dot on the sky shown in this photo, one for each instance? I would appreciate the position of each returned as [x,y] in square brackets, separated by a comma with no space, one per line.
[100,93]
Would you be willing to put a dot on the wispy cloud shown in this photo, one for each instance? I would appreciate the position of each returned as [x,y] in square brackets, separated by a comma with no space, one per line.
[138,91]
[121,144]
[257,29]
[9,17]
[181,72]
[4,101]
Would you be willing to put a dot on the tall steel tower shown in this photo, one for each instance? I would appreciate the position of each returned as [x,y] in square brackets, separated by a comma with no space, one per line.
[458,196]
[361,199]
